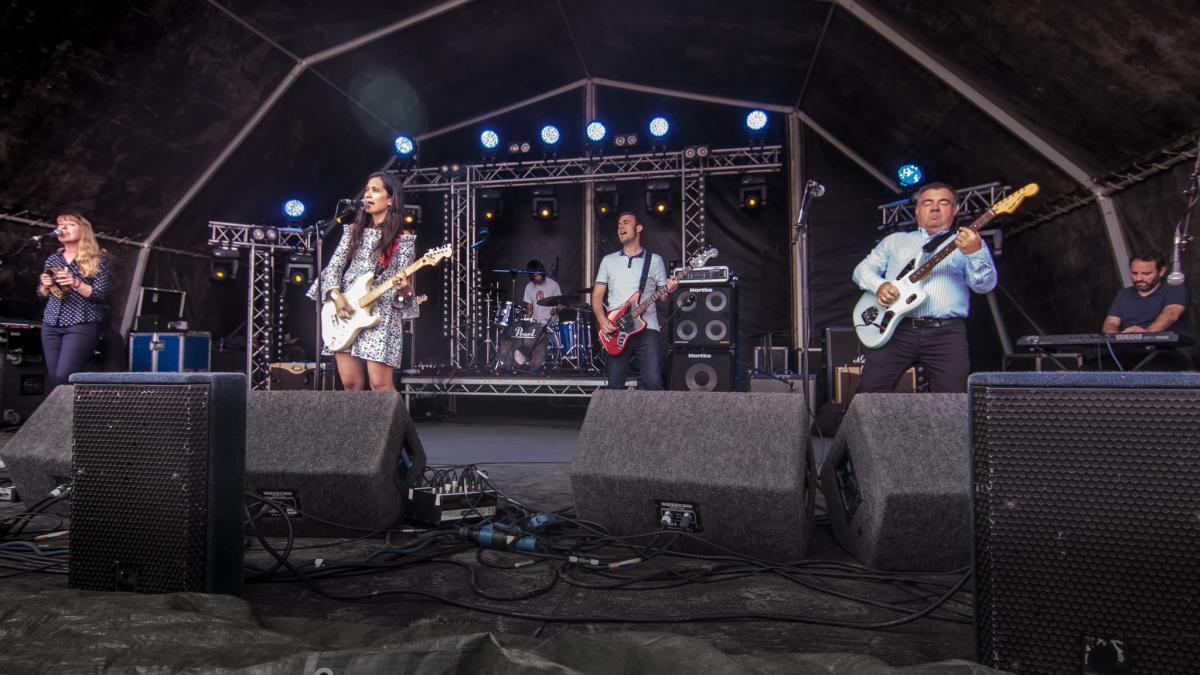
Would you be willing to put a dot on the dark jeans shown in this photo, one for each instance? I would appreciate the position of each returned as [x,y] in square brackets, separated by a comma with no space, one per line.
[940,349]
[67,349]
[646,346]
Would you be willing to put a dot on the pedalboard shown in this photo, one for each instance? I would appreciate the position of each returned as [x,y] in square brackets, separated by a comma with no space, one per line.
[450,504]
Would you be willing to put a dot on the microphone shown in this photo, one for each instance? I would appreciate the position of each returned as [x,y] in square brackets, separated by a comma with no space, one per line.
[483,237]
[57,232]
[812,190]
[1176,278]
[353,203]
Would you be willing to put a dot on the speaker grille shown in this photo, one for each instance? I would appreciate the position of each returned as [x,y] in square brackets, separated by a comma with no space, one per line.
[140,475]
[1087,529]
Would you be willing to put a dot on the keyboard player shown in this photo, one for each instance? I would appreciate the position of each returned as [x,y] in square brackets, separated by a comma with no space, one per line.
[1150,305]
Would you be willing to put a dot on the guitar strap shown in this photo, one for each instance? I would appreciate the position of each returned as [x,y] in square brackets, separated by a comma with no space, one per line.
[649,258]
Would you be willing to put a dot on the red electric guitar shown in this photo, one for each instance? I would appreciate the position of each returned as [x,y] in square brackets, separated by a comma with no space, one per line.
[628,317]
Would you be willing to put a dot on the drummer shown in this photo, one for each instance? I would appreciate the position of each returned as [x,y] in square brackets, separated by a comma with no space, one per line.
[540,287]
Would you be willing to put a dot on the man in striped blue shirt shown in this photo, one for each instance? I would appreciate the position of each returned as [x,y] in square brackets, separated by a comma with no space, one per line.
[934,336]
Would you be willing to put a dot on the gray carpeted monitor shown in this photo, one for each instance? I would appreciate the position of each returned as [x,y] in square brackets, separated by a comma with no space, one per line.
[731,469]
[896,482]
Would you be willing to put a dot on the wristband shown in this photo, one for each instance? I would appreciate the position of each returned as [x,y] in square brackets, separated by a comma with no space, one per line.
[77,284]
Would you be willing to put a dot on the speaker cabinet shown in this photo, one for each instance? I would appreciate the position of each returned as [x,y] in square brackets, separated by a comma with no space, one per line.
[705,316]
[157,469]
[847,377]
[896,482]
[733,469]
[702,370]
[345,458]
[1087,533]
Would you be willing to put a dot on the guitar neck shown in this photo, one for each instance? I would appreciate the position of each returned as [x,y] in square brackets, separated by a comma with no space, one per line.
[375,293]
[658,294]
[926,269]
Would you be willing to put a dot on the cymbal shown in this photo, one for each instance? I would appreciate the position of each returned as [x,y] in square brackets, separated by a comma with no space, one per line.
[565,300]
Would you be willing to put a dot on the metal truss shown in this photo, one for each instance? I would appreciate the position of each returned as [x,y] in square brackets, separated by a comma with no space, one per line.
[462,324]
[972,202]
[501,386]
[263,299]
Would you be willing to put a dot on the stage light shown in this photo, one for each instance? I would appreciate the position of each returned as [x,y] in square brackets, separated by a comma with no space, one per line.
[404,146]
[294,208]
[298,269]
[659,127]
[412,214]
[909,175]
[545,204]
[658,198]
[753,193]
[596,131]
[514,148]
[489,139]
[695,151]
[525,147]
[619,141]
[606,199]
[550,135]
[756,121]
[223,266]
[489,204]
[631,140]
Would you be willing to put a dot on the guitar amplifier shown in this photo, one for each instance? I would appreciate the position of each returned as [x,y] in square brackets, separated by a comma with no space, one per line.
[298,375]
[845,383]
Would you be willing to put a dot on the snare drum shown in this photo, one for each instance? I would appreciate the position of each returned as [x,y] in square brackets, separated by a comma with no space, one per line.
[504,314]
[576,339]
[524,346]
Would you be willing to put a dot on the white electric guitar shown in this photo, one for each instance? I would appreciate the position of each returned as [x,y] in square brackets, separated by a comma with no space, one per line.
[875,323]
[338,334]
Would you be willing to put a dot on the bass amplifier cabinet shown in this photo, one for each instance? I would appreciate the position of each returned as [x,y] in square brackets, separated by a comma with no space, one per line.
[705,316]
[1086,502]
[158,467]
[703,370]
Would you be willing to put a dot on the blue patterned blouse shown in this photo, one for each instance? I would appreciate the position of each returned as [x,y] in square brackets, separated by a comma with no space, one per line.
[74,308]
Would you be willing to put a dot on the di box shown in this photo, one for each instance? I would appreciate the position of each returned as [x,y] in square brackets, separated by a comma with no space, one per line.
[169,352]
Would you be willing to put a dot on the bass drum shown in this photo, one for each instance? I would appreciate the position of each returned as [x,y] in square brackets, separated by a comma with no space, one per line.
[524,346]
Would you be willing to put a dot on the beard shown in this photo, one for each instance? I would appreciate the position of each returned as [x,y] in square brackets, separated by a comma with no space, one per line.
[1146,286]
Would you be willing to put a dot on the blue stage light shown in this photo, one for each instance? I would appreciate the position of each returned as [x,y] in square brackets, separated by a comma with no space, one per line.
[489,139]
[659,126]
[294,208]
[596,131]
[550,134]
[756,120]
[404,145]
[909,175]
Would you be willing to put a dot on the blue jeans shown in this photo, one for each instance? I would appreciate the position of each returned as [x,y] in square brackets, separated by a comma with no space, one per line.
[646,346]
[67,349]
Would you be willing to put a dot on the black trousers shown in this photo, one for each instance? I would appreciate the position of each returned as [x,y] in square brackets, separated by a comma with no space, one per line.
[938,345]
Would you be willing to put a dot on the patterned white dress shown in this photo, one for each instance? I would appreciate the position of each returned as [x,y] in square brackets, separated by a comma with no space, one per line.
[385,341]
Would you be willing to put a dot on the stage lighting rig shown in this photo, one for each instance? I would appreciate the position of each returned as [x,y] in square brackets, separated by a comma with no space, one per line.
[545,205]
[489,204]
[752,194]
[909,175]
[659,129]
[264,235]
[404,146]
[658,198]
[299,269]
[223,266]
[596,132]
[606,199]
[411,214]
[695,151]
[294,209]
[626,141]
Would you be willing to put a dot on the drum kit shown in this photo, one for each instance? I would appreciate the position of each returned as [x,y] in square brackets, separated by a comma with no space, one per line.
[517,343]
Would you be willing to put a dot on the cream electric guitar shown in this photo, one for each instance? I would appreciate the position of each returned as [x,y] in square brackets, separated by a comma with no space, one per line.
[874,323]
[338,334]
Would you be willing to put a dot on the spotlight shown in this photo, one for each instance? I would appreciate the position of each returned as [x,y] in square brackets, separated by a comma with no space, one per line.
[753,193]
[545,205]
[550,135]
[909,175]
[659,127]
[596,132]
[514,148]
[756,121]
[525,147]
[606,199]
[619,141]
[223,266]
[489,204]
[404,146]
[702,151]
[412,214]
[299,269]
[294,208]
[695,151]
[658,198]
[631,140]
[490,140]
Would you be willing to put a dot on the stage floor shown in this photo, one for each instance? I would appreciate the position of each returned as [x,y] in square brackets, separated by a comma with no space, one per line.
[527,456]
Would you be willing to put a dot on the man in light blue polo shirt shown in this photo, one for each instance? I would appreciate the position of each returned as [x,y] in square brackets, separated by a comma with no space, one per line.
[618,277]
[935,334]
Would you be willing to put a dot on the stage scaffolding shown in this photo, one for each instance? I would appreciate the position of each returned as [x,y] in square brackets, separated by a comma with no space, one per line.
[462,323]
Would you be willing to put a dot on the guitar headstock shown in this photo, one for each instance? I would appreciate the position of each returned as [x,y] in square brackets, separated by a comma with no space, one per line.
[1012,201]
[702,258]
[436,255]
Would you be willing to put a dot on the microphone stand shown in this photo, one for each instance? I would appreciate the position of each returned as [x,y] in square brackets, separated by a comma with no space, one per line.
[321,229]
[800,238]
